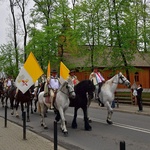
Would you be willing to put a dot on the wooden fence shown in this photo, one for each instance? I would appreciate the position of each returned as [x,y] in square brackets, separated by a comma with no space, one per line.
[128,98]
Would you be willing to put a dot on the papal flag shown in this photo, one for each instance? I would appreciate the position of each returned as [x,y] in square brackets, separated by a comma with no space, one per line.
[64,72]
[48,69]
[28,74]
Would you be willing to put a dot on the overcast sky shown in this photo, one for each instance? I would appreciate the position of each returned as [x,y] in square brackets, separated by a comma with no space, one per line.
[4,19]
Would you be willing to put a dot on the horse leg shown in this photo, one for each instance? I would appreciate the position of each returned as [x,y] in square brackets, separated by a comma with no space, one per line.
[57,118]
[87,126]
[42,107]
[22,109]
[31,107]
[35,104]
[2,100]
[12,105]
[17,105]
[110,112]
[74,122]
[63,121]
[6,104]
[28,108]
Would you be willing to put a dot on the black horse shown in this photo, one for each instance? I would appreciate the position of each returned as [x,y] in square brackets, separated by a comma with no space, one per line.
[84,93]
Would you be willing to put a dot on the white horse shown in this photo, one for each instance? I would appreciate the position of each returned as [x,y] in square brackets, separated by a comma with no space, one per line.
[61,102]
[107,92]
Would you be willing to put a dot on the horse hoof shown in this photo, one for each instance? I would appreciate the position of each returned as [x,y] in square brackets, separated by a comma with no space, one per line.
[65,133]
[74,125]
[45,127]
[88,129]
[90,121]
[28,120]
[109,122]
[12,113]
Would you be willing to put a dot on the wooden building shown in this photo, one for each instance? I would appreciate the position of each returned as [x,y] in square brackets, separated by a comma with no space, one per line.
[141,73]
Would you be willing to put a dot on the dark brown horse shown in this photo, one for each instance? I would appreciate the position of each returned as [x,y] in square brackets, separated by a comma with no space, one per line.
[2,92]
[21,99]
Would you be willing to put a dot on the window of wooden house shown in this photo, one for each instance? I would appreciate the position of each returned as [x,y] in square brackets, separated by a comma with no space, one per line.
[136,77]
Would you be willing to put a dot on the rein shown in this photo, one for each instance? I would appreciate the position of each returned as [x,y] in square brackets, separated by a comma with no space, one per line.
[64,92]
[121,79]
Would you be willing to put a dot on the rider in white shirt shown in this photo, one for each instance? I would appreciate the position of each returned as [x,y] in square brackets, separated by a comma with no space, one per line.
[52,86]
[98,80]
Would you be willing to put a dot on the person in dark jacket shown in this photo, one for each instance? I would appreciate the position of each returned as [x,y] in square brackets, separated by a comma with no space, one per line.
[139,97]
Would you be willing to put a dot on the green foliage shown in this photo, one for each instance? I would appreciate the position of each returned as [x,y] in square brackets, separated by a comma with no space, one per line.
[7,60]
[113,30]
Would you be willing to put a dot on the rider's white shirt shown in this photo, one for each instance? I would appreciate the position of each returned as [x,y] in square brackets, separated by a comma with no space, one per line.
[54,83]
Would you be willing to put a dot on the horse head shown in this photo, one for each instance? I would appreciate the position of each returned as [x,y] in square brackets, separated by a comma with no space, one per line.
[90,89]
[123,80]
[70,88]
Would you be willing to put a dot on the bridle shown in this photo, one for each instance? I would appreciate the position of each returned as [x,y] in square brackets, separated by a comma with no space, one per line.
[122,79]
[69,92]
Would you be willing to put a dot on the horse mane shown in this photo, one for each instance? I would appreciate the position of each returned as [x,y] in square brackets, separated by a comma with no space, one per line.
[83,86]
[62,86]
[112,78]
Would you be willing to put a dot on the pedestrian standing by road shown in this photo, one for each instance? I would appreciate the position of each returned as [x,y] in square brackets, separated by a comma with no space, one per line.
[139,97]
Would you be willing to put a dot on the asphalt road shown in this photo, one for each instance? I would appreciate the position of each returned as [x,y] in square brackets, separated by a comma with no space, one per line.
[131,128]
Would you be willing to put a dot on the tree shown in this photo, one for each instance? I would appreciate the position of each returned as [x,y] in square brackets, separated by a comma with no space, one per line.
[7,59]
[12,5]
[21,4]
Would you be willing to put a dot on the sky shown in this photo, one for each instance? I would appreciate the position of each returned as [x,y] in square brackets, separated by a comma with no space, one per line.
[4,17]
[3,21]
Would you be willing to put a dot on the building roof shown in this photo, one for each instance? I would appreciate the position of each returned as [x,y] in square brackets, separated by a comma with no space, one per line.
[140,59]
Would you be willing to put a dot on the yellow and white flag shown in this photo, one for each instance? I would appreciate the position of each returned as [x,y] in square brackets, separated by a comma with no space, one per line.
[48,69]
[64,72]
[28,74]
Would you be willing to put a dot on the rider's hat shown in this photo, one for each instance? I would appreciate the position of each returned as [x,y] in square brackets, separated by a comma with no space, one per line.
[54,71]
[95,67]
[72,71]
